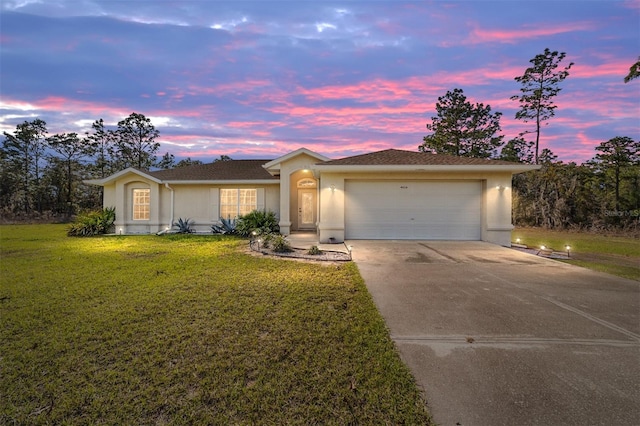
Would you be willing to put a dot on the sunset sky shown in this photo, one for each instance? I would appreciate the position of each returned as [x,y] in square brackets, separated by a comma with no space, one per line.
[260,79]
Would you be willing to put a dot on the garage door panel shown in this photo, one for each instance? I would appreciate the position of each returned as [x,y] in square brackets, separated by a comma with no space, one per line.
[413,210]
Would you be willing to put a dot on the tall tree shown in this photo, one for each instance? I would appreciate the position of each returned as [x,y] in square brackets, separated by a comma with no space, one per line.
[463,129]
[23,152]
[517,150]
[634,71]
[167,161]
[188,162]
[223,157]
[540,84]
[102,146]
[615,159]
[71,150]
[135,141]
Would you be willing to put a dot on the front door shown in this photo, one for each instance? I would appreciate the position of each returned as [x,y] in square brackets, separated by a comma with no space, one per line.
[306,208]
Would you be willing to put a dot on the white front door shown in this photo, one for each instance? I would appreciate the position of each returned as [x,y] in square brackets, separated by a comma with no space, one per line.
[306,209]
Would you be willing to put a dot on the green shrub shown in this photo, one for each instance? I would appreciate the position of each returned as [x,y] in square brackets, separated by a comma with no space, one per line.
[184,226]
[261,221]
[227,226]
[314,250]
[264,239]
[92,223]
[280,244]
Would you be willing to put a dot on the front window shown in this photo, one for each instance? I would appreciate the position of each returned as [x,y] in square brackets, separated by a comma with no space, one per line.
[141,204]
[237,202]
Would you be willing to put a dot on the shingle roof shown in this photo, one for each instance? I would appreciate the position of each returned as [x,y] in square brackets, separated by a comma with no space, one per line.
[391,157]
[219,170]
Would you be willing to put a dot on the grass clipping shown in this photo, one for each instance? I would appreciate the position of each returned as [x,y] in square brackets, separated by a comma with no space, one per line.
[187,329]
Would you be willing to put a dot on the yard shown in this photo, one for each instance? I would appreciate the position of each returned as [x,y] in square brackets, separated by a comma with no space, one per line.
[613,254]
[189,329]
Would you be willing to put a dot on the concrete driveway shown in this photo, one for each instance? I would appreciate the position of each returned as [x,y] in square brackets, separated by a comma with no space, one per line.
[499,337]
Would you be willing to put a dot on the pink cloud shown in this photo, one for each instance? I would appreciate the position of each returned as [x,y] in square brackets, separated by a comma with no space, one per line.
[511,36]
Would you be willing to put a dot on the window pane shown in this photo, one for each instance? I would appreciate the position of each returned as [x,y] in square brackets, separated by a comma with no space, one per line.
[141,204]
[247,201]
[237,202]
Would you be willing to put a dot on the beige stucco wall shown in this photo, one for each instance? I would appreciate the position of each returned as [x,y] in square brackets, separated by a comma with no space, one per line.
[199,202]
[120,195]
[496,203]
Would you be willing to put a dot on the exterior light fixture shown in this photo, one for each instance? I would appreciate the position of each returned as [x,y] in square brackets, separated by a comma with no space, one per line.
[517,240]
[542,247]
[120,231]
[333,188]
[500,188]
[568,248]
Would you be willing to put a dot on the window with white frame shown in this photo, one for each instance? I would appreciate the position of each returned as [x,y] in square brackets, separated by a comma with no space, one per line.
[141,204]
[237,202]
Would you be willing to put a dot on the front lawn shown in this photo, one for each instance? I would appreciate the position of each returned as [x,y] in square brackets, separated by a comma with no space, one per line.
[614,254]
[189,330]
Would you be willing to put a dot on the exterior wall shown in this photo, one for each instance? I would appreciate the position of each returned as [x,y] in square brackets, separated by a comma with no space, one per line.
[496,201]
[197,202]
[121,194]
[200,203]
[109,196]
[497,226]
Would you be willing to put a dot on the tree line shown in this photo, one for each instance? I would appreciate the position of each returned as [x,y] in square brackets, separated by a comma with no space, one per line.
[602,193]
[43,175]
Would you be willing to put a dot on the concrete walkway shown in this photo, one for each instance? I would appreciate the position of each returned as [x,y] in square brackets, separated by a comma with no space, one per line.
[499,337]
[305,240]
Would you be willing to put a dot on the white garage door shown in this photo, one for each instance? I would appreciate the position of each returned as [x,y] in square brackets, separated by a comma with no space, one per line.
[436,210]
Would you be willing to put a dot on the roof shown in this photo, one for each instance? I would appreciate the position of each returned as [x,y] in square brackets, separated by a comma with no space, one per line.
[392,160]
[232,170]
[396,157]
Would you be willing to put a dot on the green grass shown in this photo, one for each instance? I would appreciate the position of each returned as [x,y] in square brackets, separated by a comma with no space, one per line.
[613,254]
[189,330]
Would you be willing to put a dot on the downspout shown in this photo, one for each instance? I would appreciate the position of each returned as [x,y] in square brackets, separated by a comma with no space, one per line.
[164,231]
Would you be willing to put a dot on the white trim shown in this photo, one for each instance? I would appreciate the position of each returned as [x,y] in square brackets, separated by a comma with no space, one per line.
[119,174]
[275,164]
[225,182]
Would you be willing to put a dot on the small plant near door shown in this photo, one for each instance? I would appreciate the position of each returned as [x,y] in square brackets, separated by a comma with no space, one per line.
[280,244]
[314,250]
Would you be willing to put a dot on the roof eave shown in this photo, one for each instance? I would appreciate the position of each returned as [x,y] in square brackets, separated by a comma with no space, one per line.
[516,168]
[116,176]
[224,182]
[274,165]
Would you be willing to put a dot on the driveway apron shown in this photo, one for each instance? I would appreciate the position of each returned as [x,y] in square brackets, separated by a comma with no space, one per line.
[495,336]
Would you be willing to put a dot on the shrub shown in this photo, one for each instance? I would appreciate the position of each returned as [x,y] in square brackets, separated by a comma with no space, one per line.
[92,223]
[184,226]
[314,250]
[227,226]
[280,244]
[261,221]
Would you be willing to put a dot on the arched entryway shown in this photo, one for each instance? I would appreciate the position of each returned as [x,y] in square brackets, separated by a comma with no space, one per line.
[306,204]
